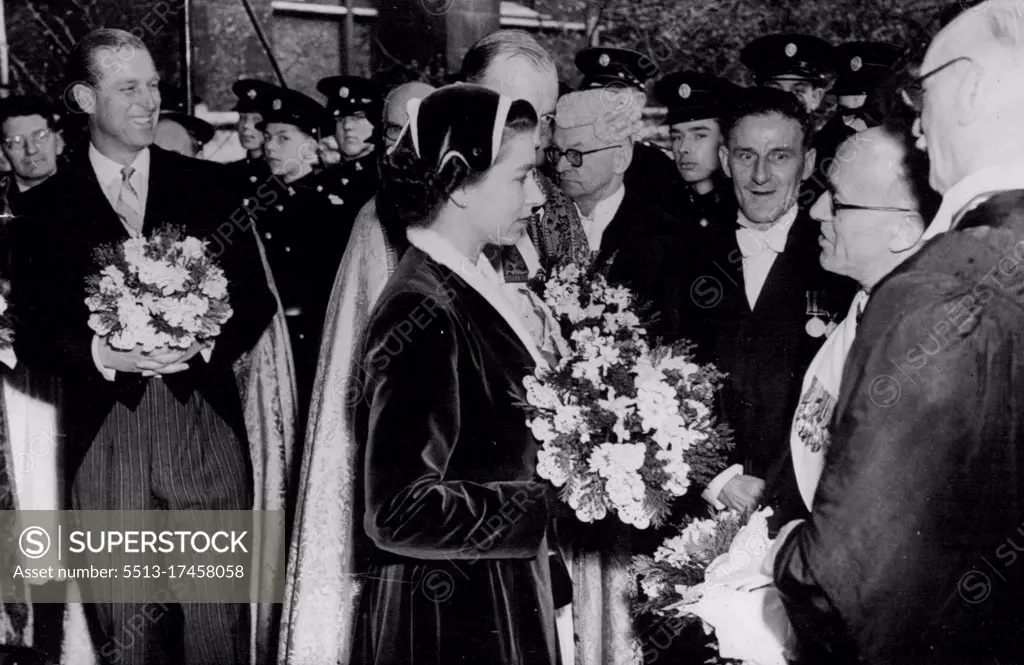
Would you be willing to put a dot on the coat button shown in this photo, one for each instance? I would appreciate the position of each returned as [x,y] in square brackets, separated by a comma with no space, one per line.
[267,235]
[287,249]
[280,208]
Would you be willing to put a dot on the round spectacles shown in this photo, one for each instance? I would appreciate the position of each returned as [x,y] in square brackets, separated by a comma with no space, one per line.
[18,143]
[575,157]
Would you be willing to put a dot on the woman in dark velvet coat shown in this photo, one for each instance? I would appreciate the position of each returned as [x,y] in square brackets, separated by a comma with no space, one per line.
[457,570]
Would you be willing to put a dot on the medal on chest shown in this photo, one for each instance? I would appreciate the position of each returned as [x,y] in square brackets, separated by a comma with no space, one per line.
[821,323]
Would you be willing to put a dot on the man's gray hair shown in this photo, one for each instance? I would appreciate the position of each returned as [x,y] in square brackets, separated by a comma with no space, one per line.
[503,43]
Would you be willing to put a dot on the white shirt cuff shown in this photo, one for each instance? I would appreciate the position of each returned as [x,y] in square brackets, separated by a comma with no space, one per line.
[8,358]
[108,374]
[714,488]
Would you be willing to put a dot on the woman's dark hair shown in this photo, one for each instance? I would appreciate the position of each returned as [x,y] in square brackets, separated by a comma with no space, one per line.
[413,189]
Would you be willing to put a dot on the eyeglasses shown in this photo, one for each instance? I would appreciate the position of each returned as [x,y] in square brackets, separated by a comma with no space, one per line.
[913,91]
[18,143]
[575,157]
[836,206]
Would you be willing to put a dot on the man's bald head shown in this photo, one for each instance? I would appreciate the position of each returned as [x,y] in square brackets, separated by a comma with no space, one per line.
[883,226]
[395,113]
[973,106]
[872,167]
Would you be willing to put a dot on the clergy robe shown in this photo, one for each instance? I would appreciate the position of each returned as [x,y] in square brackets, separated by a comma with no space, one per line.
[458,568]
[911,552]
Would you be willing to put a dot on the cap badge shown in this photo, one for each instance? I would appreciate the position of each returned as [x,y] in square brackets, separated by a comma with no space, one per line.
[343,92]
[604,60]
[276,105]
[685,91]
[251,93]
[790,49]
[856,63]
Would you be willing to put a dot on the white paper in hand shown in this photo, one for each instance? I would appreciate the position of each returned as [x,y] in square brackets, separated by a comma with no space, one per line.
[741,603]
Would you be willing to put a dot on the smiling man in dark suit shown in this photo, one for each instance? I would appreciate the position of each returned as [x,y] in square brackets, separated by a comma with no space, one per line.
[153,431]
[761,304]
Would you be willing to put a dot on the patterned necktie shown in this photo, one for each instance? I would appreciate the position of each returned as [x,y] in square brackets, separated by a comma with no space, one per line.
[128,207]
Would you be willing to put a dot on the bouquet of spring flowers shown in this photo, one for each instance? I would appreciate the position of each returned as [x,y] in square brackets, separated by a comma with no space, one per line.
[623,428]
[164,291]
[711,571]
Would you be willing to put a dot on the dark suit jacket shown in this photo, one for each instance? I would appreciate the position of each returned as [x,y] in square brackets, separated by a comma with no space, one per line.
[911,552]
[639,226]
[64,220]
[764,351]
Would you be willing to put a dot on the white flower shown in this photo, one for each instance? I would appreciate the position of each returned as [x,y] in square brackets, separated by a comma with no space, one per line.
[652,586]
[625,489]
[97,324]
[702,410]
[678,472]
[215,285]
[542,430]
[568,418]
[540,394]
[193,248]
[553,465]
[111,280]
[634,513]
[134,252]
[94,303]
[123,340]
[622,407]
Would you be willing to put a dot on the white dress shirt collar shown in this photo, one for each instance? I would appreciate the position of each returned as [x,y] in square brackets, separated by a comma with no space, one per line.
[602,215]
[108,172]
[972,191]
[752,237]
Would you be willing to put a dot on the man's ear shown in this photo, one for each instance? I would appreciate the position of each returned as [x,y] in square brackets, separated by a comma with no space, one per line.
[971,93]
[623,157]
[59,145]
[909,230]
[817,96]
[84,96]
[723,157]
[810,159]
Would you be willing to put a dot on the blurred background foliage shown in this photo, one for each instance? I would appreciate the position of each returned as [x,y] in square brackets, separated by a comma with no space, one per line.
[704,35]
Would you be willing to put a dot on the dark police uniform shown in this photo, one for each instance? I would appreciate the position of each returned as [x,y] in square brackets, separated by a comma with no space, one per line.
[355,180]
[862,67]
[691,96]
[253,97]
[811,59]
[651,172]
[304,230]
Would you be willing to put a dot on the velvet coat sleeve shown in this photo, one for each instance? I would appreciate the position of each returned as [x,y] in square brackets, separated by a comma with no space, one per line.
[922,480]
[412,507]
